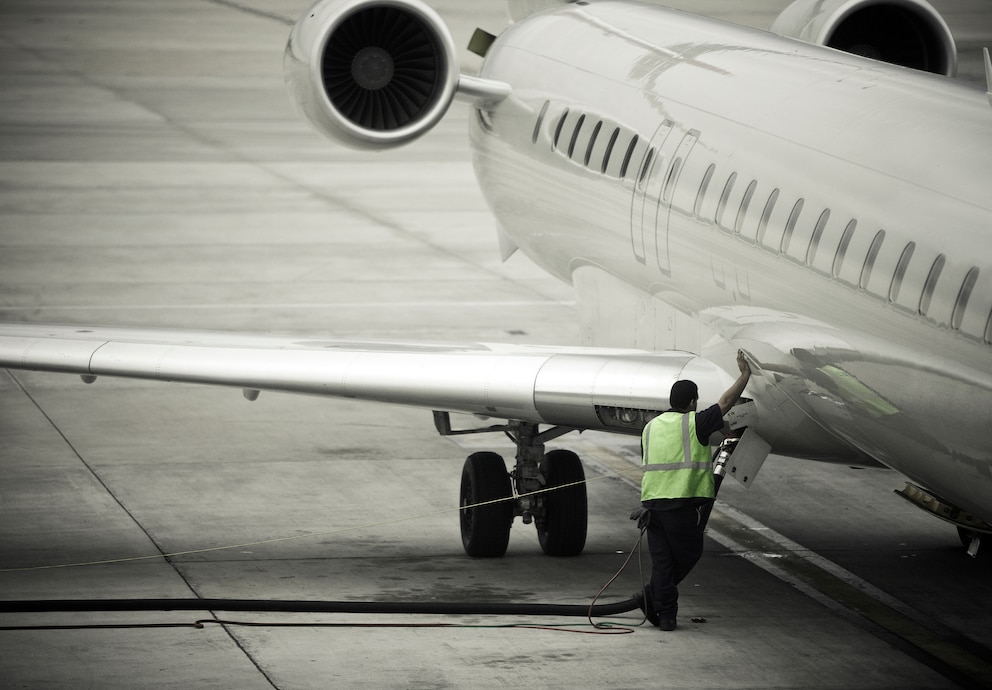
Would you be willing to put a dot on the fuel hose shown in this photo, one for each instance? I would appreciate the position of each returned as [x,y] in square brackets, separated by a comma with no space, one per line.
[307,606]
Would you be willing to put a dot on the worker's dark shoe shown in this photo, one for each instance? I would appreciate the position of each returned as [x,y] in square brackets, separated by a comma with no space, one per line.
[667,624]
[644,602]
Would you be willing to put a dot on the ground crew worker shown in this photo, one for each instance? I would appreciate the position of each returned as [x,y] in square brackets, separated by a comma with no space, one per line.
[676,488]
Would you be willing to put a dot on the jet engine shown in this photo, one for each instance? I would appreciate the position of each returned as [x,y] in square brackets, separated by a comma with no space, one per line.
[371,74]
[910,33]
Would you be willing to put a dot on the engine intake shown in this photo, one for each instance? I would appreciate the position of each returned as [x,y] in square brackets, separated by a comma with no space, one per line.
[910,33]
[371,73]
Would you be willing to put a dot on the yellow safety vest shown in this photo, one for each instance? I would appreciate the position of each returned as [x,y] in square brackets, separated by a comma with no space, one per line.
[675,464]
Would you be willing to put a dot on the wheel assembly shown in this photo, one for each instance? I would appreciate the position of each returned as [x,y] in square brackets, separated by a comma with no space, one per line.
[562,532]
[486,505]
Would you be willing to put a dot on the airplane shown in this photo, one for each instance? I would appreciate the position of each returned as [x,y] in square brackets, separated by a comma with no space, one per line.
[816,196]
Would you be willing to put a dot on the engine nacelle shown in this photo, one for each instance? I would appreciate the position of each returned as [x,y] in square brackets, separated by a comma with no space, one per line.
[910,33]
[371,74]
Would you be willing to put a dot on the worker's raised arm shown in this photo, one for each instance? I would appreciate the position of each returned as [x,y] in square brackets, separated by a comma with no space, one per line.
[732,394]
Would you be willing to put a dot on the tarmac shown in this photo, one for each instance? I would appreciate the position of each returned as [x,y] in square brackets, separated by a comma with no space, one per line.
[154,173]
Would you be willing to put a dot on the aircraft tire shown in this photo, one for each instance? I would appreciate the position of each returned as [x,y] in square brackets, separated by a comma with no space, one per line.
[485,529]
[567,511]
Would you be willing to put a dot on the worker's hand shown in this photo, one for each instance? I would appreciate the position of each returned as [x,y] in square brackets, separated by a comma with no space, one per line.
[731,395]
[742,363]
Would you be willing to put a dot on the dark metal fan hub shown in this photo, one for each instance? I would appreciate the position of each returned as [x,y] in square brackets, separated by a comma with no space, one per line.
[383,68]
[372,68]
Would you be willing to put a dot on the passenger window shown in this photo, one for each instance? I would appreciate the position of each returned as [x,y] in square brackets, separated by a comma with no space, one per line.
[645,167]
[845,242]
[592,142]
[931,285]
[766,215]
[626,158]
[673,174]
[964,294]
[575,135]
[703,186]
[609,150]
[745,203]
[540,121]
[876,245]
[790,227]
[900,272]
[727,189]
[561,124]
[814,240]
[485,119]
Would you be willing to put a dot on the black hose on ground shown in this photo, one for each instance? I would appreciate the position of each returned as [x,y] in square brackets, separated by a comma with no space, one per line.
[303,606]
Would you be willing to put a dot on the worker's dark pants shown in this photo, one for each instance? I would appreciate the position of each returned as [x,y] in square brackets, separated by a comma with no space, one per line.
[675,540]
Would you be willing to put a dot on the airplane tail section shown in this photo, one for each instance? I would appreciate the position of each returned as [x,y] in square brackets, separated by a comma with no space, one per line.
[375,74]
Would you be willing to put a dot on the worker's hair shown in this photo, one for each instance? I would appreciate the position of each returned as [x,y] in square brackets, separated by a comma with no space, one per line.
[683,393]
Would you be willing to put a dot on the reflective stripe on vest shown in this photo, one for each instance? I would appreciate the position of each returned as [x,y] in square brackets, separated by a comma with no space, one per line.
[675,465]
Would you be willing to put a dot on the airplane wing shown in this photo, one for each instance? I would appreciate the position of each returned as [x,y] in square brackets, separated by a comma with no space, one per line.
[584,388]
[566,388]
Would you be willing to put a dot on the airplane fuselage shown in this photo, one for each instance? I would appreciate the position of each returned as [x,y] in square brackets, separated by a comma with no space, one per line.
[707,187]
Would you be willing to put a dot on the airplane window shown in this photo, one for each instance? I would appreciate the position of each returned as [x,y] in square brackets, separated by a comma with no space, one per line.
[745,202]
[727,188]
[626,158]
[931,285]
[964,295]
[646,166]
[900,272]
[575,135]
[673,174]
[609,149]
[814,240]
[485,119]
[876,245]
[561,123]
[845,241]
[703,186]
[540,120]
[790,226]
[592,142]
[679,159]
[766,215]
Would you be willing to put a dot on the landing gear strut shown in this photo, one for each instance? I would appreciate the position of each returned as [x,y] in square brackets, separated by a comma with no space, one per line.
[544,488]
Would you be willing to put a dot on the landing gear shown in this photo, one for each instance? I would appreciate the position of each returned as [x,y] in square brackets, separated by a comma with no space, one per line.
[491,497]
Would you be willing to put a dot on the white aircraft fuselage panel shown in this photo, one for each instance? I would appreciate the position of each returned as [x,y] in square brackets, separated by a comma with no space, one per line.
[836,227]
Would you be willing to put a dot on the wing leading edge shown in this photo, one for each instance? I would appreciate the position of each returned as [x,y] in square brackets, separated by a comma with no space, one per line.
[587,388]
